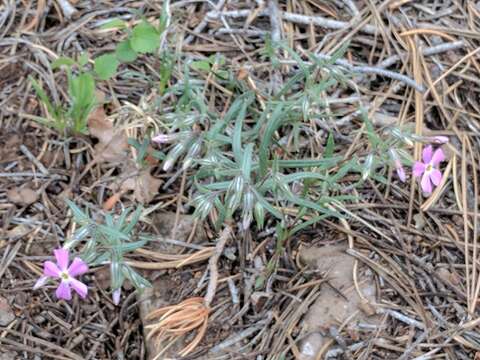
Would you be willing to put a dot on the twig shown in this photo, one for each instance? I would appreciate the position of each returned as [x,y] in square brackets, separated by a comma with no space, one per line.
[67,8]
[199,28]
[33,159]
[433,50]
[213,266]
[403,318]
[295,18]
[352,7]
[372,70]
[274,15]
[276,26]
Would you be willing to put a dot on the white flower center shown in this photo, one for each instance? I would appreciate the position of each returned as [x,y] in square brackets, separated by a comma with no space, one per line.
[429,168]
[64,276]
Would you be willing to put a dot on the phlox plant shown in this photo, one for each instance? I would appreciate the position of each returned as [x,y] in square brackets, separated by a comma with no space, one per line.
[97,244]
[250,162]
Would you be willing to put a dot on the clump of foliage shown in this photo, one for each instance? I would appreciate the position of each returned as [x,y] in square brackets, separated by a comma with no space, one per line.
[107,243]
[143,38]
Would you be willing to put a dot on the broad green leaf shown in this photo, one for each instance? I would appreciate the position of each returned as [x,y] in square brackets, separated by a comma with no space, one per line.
[145,38]
[124,52]
[106,66]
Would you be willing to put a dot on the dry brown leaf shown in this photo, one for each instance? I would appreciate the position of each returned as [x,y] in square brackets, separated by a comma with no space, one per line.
[112,143]
[144,186]
[23,196]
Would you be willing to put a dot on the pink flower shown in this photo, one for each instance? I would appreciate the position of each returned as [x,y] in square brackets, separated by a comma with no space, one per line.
[66,274]
[429,168]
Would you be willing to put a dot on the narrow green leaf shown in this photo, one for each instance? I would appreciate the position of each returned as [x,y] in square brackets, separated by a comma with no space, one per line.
[114,24]
[113,233]
[273,124]
[203,65]
[62,61]
[133,221]
[247,161]
[79,216]
[267,205]
[329,149]
[83,59]
[237,134]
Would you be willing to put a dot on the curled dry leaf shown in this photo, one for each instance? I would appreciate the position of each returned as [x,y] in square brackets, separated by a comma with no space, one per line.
[112,143]
[144,186]
[24,196]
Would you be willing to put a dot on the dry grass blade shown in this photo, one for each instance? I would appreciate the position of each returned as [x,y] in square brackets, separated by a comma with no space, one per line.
[180,261]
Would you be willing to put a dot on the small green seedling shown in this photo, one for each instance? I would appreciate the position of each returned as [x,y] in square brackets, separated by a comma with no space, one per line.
[82,99]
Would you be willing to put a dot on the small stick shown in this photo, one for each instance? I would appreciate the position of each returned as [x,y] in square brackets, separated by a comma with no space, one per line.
[276,26]
[295,18]
[213,280]
[373,70]
[67,8]
[433,50]
[33,159]
[199,28]
[353,8]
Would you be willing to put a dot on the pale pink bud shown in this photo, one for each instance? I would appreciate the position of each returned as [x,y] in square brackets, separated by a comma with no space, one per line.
[440,139]
[116,296]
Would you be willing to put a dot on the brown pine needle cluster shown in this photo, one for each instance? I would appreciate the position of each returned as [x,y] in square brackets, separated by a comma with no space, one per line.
[175,321]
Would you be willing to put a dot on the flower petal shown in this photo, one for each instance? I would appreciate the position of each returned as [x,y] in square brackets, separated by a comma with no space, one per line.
[401,174]
[440,139]
[438,157]
[436,177]
[426,183]
[418,168]
[80,288]
[427,154]
[64,291]
[50,269]
[78,267]
[40,282]
[62,258]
